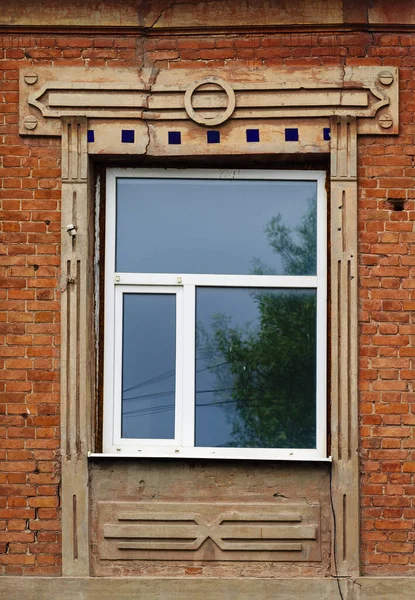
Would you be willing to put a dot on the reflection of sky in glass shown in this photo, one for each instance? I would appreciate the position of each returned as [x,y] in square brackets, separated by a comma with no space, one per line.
[238,308]
[149,366]
[204,226]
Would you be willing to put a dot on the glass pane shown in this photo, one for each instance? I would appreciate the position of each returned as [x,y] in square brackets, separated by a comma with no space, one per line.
[216,226]
[256,368]
[149,366]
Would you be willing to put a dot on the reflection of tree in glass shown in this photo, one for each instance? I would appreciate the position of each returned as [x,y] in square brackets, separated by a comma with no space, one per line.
[265,374]
[296,246]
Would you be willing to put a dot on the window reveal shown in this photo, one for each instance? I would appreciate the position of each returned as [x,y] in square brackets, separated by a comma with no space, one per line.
[215,313]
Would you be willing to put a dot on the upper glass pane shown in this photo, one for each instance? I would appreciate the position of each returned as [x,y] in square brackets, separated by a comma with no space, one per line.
[217,226]
[149,366]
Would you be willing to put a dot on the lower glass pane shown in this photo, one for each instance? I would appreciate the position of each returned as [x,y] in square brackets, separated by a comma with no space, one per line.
[149,366]
[256,368]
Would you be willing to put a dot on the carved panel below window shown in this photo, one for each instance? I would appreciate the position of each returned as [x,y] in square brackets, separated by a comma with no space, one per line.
[199,531]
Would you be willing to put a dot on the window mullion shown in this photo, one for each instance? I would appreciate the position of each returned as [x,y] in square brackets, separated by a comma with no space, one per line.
[117,390]
[188,371]
[180,379]
[321,321]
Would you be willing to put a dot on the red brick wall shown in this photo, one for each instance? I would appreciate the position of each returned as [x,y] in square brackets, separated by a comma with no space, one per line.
[29,312]
[29,343]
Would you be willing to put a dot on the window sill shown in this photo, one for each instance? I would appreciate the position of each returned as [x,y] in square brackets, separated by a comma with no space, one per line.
[299,456]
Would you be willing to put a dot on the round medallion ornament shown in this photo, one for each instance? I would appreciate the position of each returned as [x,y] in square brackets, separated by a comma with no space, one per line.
[30,78]
[385,77]
[30,122]
[385,121]
[217,119]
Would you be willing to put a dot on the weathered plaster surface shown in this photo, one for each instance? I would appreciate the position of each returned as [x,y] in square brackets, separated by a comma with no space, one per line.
[209,482]
[369,93]
[194,13]
[164,13]
[74,12]
[93,588]
[384,11]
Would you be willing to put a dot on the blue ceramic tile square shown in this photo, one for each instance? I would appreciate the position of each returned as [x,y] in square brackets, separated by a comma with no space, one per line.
[213,137]
[291,135]
[91,135]
[252,135]
[175,137]
[127,136]
[326,134]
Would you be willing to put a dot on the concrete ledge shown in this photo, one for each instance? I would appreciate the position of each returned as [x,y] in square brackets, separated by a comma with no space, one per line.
[172,14]
[94,588]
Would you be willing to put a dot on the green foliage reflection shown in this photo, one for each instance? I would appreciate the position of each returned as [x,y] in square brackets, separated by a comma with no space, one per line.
[264,372]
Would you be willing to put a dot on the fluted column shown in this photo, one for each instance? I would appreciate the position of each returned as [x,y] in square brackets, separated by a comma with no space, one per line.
[77,349]
[344,347]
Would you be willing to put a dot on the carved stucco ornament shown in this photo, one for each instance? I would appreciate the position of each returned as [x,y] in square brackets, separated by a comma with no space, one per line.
[370,94]
[210,120]
[206,531]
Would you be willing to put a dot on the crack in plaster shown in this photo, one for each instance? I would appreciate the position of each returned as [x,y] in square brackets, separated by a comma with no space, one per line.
[173,5]
[371,42]
[148,73]
[370,6]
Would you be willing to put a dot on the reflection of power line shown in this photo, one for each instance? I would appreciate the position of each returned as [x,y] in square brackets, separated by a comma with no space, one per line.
[150,396]
[149,411]
[163,376]
[170,393]
[167,407]
[163,407]
[214,403]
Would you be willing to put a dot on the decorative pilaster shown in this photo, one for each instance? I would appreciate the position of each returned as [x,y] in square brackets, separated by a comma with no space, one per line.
[344,346]
[77,366]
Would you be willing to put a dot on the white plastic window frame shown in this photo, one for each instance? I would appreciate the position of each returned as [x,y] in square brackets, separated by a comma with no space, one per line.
[184,287]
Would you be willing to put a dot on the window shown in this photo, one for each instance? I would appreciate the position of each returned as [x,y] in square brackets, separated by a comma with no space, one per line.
[215,314]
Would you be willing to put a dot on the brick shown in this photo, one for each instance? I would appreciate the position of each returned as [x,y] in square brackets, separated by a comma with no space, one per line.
[395,547]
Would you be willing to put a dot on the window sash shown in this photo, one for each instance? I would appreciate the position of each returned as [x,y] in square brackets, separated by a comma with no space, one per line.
[184,287]
[120,291]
